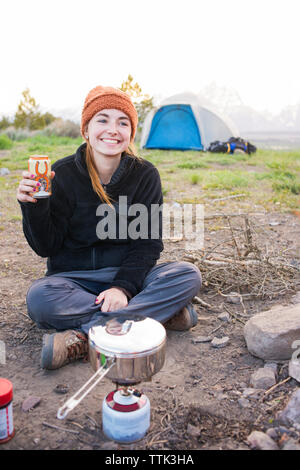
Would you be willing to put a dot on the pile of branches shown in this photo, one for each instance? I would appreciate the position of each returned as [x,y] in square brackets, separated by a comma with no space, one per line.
[244,267]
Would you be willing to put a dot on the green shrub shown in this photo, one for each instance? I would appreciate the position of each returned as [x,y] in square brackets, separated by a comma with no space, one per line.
[62,128]
[17,134]
[195,178]
[5,142]
[289,186]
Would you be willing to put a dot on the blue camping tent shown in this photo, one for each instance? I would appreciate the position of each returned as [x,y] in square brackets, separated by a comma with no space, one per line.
[181,122]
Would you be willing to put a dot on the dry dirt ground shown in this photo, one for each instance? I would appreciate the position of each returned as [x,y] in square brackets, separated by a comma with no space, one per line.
[198,386]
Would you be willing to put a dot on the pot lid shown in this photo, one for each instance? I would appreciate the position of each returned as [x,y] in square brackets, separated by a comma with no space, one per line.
[127,336]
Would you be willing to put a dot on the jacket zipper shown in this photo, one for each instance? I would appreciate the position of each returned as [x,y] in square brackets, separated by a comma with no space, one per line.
[93,258]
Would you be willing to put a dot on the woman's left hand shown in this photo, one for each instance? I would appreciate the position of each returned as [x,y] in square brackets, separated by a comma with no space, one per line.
[113,299]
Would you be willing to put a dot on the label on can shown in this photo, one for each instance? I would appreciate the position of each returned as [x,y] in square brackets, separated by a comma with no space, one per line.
[6,421]
[40,166]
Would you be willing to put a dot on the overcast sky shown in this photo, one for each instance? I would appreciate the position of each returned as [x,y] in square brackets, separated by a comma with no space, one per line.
[61,49]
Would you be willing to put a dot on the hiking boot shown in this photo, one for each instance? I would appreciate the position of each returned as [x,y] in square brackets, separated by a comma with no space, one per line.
[61,348]
[184,320]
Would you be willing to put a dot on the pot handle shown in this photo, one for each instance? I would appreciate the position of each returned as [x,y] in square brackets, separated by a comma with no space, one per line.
[76,398]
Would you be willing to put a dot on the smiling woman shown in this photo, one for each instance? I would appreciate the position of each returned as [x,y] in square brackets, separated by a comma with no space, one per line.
[89,277]
[108,135]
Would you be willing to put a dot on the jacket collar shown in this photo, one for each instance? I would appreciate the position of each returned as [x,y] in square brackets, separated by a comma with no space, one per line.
[80,162]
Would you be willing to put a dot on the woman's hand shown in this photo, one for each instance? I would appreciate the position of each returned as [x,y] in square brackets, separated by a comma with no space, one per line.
[113,299]
[28,185]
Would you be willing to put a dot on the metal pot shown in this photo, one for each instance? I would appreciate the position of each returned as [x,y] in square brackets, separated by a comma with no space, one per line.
[137,344]
[127,349]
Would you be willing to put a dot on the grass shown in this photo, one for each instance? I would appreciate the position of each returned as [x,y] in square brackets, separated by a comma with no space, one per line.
[226,179]
[269,179]
[53,146]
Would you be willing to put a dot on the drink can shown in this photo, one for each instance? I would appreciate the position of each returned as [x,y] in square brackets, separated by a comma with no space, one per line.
[40,166]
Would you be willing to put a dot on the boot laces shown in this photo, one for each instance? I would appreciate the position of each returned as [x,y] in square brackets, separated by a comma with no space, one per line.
[78,347]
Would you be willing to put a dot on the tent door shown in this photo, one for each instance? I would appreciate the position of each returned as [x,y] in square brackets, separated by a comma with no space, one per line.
[174,127]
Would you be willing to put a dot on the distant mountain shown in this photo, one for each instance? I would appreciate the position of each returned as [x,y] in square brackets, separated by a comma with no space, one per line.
[224,98]
[229,103]
[247,119]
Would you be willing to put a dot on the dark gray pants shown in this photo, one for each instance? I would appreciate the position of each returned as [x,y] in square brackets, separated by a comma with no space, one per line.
[67,300]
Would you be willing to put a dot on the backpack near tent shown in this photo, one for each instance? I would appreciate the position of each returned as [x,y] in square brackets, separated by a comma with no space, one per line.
[185,122]
[234,144]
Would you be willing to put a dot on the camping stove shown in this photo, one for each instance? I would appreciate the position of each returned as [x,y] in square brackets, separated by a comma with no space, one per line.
[128,350]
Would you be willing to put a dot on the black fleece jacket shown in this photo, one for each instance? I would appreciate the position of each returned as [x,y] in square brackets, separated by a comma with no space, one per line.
[63,226]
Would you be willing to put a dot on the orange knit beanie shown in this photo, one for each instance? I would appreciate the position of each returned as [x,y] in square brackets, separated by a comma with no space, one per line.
[102,97]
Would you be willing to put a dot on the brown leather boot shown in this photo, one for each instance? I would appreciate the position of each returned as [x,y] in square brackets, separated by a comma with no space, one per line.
[184,320]
[61,348]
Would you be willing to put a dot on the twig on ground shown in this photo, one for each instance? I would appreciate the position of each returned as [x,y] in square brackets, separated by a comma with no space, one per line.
[216,329]
[24,338]
[201,302]
[26,316]
[59,428]
[275,386]
[93,421]
[233,238]
[267,275]
[228,197]
[233,315]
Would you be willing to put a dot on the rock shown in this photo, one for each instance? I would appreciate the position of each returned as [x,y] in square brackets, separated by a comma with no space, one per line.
[263,378]
[290,415]
[192,430]
[202,339]
[244,403]
[61,389]
[260,440]
[272,433]
[220,342]
[224,317]
[296,298]
[4,171]
[30,403]
[269,335]
[233,298]
[294,364]
[294,369]
[273,366]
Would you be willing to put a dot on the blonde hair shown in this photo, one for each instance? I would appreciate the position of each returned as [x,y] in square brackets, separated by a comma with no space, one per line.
[92,170]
